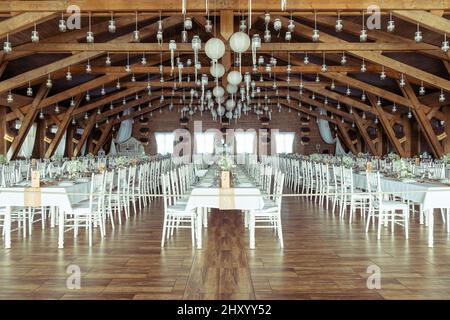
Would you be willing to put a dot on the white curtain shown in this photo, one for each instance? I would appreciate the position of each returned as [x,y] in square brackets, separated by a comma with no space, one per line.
[325,131]
[204,143]
[164,142]
[61,146]
[26,150]
[125,130]
[245,142]
[284,142]
[327,136]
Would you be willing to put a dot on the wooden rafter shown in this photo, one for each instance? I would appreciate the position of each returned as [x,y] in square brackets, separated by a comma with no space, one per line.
[23,21]
[426,19]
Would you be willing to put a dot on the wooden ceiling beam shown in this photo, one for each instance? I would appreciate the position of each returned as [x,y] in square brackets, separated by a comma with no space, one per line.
[347,140]
[376,57]
[363,131]
[200,6]
[23,21]
[425,19]
[86,132]
[331,47]
[105,134]
[25,77]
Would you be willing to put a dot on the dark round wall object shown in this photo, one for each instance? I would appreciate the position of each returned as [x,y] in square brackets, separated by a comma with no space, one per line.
[144,130]
[143,140]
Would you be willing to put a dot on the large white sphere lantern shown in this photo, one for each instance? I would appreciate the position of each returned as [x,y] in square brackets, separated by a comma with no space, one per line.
[239,42]
[219,100]
[214,49]
[217,70]
[234,77]
[230,104]
[218,92]
[231,88]
[220,110]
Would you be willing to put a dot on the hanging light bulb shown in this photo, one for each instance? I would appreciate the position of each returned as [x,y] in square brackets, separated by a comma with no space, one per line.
[143,60]
[348,91]
[421,89]
[339,25]
[188,23]
[351,110]
[338,106]
[108,60]
[127,66]
[379,102]
[159,33]
[136,34]
[118,84]
[409,114]
[90,34]
[34,35]
[72,102]
[363,66]
[402,81]
[68,74]
[73,121]
[49,82]
[112,24]
[56,108]
[442,96]
[208,26]
[88,67]
[88,96]
[445,44]
[332,86]
[86,116]
[353,124]
[103,91]
[390,24]
[343,59]
[9,98]
[315,33]
[277,24]
[364,115]
[29,90]
[7,46]
[267,35]
[317,78]
[382,74]
[288,37]
[363,33]
[376,120]
[363,96]
[313,96]
[41,115]
[394,108]
[342,120]
[324,65]
[62,24]
[291,25]
[305,58]
[418,34]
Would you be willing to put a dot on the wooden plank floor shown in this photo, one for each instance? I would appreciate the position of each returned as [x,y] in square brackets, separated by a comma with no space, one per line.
[324,258]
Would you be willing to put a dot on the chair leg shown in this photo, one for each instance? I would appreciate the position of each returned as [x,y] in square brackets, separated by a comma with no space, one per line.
[280,231]
[164,231]
[380,223]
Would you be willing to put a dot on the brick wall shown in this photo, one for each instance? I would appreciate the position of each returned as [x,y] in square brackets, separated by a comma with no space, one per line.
[167,121]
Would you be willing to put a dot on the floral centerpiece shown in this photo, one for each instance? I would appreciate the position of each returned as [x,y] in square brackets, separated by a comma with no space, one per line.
[75,169]
[225,165]
[363,155]
[347,162]
[446,158]
[3,159]
[56,158]
[393,156]
[315,157]
[122,162]
[403,169]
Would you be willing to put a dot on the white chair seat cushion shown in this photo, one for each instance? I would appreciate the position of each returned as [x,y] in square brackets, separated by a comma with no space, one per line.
[392,205]
[178,208]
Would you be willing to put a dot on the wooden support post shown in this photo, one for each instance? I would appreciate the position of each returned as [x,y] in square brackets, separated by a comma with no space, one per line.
[363,131]
[86,132]
[226,23]
[27,123]
[3,142]
[346,137]
[105,134]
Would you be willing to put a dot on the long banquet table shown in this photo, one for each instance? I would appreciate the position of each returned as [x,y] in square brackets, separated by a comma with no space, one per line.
[62,196]
[429,195]
[243,195]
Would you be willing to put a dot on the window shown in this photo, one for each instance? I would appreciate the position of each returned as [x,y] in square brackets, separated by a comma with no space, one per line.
[204,142]
[245,142]
[284,142]
[164,142]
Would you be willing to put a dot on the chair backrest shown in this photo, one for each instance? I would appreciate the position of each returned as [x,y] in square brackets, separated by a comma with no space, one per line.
[278,187]
[347,179]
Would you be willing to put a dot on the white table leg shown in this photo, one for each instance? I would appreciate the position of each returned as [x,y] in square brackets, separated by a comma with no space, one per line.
[199,225]
[8,228]
[205,217]
[430,227]
[61,229]
[52,216]
[252,230]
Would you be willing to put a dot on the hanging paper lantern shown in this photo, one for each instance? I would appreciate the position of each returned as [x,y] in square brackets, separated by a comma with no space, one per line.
[217,70]
[230,104]
[231,88]
[218,92]
[234,77]
[214,49]
[239,42]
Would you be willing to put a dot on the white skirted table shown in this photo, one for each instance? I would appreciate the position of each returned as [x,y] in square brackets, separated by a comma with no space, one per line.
[429,195]
[62,196]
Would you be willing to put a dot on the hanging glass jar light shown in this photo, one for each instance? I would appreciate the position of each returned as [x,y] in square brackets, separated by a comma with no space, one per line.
[9,98]
[136,33]
[390,24]
[7,46]
[62,26]
[339,25]
[421,89]
[418,34]
[49,82]
[68,74]
[445,44]
[29,90]
[315,33]
[188,23]
[112,24]
[90,34]
[34,35]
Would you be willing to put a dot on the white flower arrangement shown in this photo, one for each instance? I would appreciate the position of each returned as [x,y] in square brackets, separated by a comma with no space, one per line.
[363,155]
[347,162]
[393,156]
[446,158]
[315,157]
[3,159]
[75,168]
[56,158]
[122,162]
[225,164]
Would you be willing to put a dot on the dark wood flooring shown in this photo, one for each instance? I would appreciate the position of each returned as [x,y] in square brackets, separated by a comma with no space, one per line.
[324,258]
